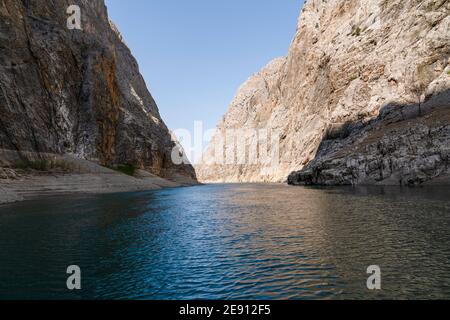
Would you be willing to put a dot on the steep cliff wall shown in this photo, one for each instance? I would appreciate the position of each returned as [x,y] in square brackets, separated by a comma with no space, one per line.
[352,66]
[76,92]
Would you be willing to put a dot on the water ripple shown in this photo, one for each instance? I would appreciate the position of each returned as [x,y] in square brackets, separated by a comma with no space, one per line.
[229,242]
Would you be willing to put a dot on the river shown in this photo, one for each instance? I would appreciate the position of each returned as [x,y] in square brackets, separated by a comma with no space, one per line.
[249,241]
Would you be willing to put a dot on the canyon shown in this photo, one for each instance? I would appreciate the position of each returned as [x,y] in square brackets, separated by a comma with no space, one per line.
[93,205]
[362,97]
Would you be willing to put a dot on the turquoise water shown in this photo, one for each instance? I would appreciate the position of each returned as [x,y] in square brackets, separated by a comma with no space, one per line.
[229,242]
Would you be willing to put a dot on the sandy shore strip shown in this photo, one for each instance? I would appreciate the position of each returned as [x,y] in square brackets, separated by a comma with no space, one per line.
[41,185]
[87,178]
[7,196]
[92,183]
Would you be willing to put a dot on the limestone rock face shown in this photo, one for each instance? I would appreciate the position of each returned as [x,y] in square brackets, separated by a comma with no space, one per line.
[351,63]
[397,148]
[250,109]
[77,92]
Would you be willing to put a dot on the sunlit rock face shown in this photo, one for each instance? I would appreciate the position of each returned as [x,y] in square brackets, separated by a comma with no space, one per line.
[77,91]
[352,65]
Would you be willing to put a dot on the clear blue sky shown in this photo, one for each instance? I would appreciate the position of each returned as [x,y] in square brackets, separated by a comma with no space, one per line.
[194,54]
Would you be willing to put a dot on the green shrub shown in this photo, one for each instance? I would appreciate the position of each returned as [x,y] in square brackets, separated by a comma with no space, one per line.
[43,165]
[38,165]
[356,31]
[127,169]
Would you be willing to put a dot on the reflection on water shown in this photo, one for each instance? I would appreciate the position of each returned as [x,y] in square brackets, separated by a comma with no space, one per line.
[230,242]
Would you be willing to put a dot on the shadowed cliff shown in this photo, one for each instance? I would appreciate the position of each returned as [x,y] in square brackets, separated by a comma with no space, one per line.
[77,92]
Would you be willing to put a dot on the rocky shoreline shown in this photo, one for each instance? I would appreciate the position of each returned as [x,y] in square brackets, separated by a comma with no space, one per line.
[398,148]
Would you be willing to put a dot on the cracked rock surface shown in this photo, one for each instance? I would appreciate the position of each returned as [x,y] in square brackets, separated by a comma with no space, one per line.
[77,92]
[352,65]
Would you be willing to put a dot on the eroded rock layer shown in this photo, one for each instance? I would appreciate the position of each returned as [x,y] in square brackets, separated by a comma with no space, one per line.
[356,70]
[77,92]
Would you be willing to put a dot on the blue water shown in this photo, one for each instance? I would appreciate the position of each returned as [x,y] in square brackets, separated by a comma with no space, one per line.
[229,242]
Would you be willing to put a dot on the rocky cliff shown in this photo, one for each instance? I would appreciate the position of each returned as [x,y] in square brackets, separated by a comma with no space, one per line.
[77,92]
[362,97]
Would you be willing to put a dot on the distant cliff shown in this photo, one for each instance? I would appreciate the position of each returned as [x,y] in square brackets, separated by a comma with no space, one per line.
[362,97]
[77,92]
